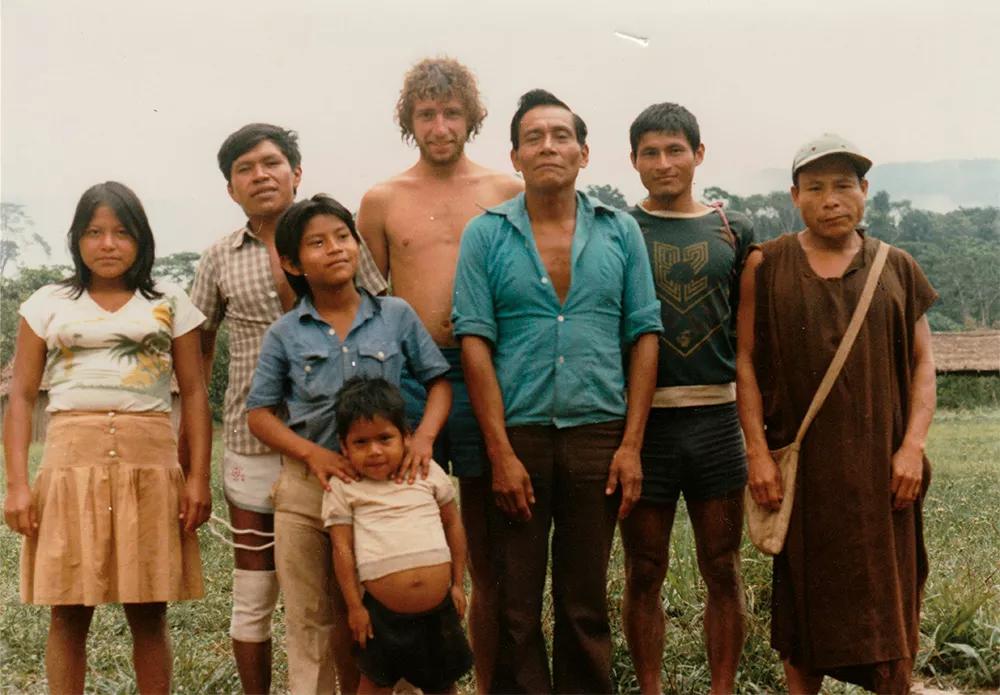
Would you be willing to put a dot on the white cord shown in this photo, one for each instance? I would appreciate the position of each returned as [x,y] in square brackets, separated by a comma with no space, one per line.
[241,546]
[254,532]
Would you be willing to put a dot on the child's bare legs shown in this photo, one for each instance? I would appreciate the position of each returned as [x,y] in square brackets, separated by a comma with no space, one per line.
[150,646]
[66,650]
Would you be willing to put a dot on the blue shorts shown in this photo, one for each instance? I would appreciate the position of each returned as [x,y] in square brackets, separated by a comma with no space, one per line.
[698,451]
[460,442]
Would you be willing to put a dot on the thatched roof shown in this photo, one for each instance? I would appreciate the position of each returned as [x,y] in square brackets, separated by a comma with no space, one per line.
[967,351]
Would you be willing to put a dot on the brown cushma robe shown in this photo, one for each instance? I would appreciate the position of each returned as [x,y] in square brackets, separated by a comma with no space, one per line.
[848,585]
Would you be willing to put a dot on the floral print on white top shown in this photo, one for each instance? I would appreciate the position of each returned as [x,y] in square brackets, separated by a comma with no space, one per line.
[109,360]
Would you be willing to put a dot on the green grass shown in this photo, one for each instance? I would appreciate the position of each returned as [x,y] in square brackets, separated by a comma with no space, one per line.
[960,641]
[968,391]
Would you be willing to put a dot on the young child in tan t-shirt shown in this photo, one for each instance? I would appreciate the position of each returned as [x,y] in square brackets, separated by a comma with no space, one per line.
[403,543]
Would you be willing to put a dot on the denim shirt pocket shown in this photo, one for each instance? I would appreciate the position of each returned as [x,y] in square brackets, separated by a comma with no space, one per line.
[312,373]
[380,359]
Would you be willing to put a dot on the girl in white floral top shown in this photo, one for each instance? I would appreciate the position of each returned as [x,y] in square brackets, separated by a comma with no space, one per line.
[111,517]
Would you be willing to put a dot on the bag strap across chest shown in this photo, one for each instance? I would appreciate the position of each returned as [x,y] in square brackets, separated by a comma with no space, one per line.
[731,239]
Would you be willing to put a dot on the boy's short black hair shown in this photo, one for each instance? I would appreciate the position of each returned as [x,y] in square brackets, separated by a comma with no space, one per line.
[665,118]
[364,398]
[541,97]
[251,135]
[292,225]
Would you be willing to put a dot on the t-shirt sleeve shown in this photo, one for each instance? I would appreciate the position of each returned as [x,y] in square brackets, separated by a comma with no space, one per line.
[444,489]
[187,317]
[920,294]
[747,237]
[268,386]
[640,306]
[38,309]
[472,310]
[423,357]
[336,510]
[745,243]
[205,293]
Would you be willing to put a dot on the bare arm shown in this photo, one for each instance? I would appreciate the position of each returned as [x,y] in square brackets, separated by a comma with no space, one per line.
[323,462]
[421,448]
[626,466]
[511,482]
[907,461]
[763,475]
[196,505]
[344,566]
[371,225]
[29,364]
[454,533]
[207,340]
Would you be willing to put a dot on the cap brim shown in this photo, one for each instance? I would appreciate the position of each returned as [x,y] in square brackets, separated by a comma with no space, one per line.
[861,163]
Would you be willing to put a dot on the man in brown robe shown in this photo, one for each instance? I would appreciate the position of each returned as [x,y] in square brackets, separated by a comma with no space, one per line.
[848,584]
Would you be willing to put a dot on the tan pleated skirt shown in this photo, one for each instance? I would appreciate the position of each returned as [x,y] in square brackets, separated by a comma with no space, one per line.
[108,498]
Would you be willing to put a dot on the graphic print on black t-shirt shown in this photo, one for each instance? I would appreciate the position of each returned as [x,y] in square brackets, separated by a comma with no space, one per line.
[681,282]
[692,261]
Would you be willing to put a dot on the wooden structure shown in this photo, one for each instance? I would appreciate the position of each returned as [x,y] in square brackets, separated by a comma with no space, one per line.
[967,352]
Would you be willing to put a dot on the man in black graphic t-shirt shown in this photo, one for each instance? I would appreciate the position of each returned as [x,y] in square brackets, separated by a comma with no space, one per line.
[693,442]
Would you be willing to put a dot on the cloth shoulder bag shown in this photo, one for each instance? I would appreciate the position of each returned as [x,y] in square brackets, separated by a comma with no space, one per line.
[768,528]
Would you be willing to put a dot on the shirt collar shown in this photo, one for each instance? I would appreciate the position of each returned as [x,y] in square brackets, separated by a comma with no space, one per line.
[670,215]
[242,234]
[516,211]
[366,309]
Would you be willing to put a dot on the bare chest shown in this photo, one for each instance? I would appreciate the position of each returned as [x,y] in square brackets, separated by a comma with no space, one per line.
[555,246]
[431,226]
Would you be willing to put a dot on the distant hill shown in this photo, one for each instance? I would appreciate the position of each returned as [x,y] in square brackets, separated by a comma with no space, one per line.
[939,186]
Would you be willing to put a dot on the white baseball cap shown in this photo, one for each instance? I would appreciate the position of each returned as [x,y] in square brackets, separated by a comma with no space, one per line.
[829,144]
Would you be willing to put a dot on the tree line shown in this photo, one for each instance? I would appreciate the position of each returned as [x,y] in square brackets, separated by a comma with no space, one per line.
[959,250]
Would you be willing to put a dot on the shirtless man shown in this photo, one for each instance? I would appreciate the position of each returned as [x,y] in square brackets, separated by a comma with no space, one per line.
[412,224]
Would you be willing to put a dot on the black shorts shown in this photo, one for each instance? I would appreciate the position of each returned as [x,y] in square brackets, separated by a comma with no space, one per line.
[428,649]
[698,451]
[460,441]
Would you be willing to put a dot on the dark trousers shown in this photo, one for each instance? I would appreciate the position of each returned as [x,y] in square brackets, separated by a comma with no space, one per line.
[569,471]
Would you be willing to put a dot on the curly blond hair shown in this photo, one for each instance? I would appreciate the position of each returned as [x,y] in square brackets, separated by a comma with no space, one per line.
[439,79]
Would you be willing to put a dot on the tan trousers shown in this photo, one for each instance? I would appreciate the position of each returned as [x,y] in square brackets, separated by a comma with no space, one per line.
[315,617]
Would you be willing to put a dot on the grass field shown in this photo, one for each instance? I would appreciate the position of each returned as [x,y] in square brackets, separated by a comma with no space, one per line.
[960,641]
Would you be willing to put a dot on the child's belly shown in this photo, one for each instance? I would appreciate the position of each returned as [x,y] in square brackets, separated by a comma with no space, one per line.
[414,590]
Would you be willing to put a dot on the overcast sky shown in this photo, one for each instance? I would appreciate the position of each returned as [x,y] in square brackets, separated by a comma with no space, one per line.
[145,92]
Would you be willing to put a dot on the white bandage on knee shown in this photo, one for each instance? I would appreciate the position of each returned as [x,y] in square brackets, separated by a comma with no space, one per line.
[255,592]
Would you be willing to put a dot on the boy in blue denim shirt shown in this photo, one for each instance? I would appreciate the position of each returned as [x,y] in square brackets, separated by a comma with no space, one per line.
[336,331]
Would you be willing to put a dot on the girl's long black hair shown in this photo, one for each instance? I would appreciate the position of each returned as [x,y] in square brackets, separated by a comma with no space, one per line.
[127,207]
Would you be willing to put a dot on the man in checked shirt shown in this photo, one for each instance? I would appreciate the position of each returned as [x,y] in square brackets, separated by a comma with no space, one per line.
[239,280]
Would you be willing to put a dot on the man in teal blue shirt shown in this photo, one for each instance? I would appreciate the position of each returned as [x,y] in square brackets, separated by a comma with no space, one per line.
[551,287]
